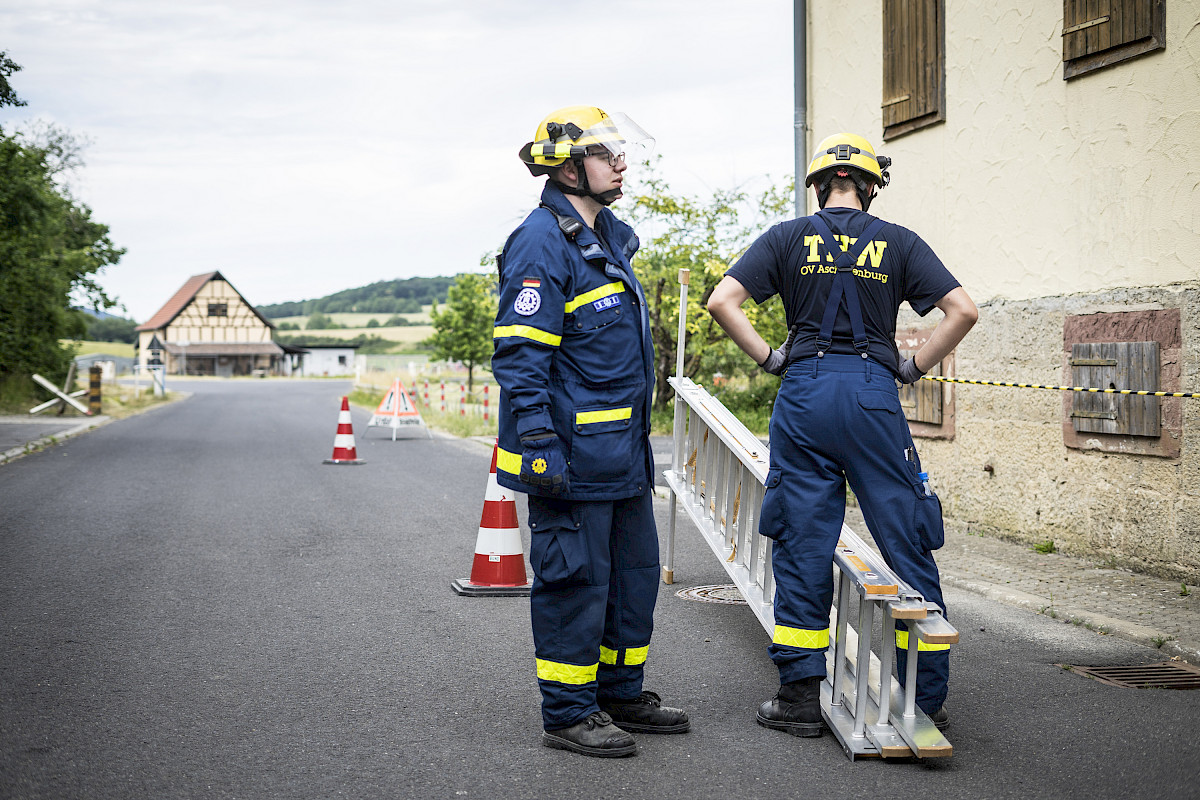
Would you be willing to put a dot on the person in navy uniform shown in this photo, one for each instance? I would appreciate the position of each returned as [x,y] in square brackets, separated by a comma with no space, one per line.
[842,275]
[574,360]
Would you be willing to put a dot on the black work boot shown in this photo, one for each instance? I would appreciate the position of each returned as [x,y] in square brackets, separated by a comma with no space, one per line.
[646,714]
[940,718]
[795,708]
[594,736]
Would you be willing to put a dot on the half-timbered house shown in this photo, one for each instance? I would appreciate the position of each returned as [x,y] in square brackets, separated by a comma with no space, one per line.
[208,328]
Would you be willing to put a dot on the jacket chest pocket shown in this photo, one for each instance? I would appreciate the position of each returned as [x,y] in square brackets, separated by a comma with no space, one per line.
[601,443]
[591,314]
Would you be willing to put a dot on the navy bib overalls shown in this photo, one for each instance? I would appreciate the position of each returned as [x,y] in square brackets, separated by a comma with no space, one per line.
[837,419]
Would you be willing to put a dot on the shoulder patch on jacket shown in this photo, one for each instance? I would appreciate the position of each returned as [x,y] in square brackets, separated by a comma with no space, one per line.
[528,302]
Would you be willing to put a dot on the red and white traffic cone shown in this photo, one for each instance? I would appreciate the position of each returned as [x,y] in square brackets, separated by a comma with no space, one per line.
[499,566]
[344,451]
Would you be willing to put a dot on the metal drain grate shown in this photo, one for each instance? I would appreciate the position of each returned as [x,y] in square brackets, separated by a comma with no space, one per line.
[1166,675]
[727,594]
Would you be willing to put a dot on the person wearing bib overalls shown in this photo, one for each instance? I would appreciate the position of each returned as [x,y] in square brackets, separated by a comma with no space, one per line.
[575,363]
[842,275]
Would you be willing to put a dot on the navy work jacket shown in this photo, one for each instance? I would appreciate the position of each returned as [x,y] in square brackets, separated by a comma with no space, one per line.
[573,352]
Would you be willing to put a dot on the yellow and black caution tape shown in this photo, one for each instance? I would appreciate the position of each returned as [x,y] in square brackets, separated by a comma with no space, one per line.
[1061,388]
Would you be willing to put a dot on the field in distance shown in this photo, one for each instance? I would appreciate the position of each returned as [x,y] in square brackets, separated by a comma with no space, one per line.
[404,335]
[360,320]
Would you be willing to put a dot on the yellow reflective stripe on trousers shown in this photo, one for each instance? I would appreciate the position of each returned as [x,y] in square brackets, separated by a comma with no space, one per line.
[902,643]
[796,637]
[508,462]
[636,655]
[605,415]
[527,332]
[595,294]
[633,655]
[565,673]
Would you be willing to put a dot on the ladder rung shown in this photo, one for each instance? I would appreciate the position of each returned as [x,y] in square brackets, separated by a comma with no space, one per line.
[906,608]
[934,629]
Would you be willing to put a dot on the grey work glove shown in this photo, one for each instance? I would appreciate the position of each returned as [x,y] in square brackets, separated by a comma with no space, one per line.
[777,359]
[909,372]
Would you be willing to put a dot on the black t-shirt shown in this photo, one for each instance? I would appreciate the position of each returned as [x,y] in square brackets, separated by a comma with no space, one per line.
[791,260]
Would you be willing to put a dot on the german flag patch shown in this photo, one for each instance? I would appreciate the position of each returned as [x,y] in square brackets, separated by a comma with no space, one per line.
[531,283]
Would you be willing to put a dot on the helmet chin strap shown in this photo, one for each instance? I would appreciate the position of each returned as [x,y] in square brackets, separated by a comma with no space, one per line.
[583,190]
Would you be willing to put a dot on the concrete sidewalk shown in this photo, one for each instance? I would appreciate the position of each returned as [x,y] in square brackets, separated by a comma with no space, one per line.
[20,435]
[1112,602]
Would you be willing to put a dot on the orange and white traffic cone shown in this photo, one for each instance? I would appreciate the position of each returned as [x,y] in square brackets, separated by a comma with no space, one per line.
[344,451]
[499,565]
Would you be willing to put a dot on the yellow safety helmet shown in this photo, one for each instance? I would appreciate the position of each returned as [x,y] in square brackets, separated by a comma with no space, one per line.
[570,132]
[847,155]
[848,149]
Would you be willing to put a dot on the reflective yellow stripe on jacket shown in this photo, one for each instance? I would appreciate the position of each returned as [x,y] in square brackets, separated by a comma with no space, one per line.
[565,673]
[595,294]
[527,332]
[508,462]
[902,643]
[796,637]
[604,415]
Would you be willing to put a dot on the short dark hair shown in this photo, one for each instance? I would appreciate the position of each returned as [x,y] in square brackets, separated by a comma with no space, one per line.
[840,184]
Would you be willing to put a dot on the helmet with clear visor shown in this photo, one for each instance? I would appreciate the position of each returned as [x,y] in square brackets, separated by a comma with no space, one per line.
[575,132]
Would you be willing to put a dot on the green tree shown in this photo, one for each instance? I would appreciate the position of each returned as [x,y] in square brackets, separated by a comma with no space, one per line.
[112,329]
[50,249]
[8,96]
[463,331]
[704,236]
[320,322]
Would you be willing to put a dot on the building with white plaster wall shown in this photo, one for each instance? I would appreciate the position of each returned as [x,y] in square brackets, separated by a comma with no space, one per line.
[1055,169]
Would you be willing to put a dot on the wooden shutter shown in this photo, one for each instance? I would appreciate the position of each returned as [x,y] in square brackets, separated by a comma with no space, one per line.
[1116,365]
[1098,33]
[914,65]
[922,401]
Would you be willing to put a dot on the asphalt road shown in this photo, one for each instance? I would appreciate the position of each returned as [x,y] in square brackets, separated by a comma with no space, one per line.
[193,606]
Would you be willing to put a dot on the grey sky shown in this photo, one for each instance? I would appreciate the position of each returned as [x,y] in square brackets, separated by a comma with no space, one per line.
[306,147]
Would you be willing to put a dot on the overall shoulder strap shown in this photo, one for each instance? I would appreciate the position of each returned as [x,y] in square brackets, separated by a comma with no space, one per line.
[843,285]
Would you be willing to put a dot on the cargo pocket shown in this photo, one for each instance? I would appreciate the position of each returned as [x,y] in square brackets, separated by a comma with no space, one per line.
[772,521]
[874,400]
[601,444]
[557,551]
[927,520]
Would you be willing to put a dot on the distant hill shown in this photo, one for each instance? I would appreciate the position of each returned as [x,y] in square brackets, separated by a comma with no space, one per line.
[384,297]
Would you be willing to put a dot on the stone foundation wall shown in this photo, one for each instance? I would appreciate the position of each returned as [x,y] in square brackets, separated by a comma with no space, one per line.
[1008,472]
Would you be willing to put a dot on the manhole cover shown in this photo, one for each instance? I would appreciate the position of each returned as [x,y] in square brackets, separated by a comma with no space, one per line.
[1167,675]
[719,593]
